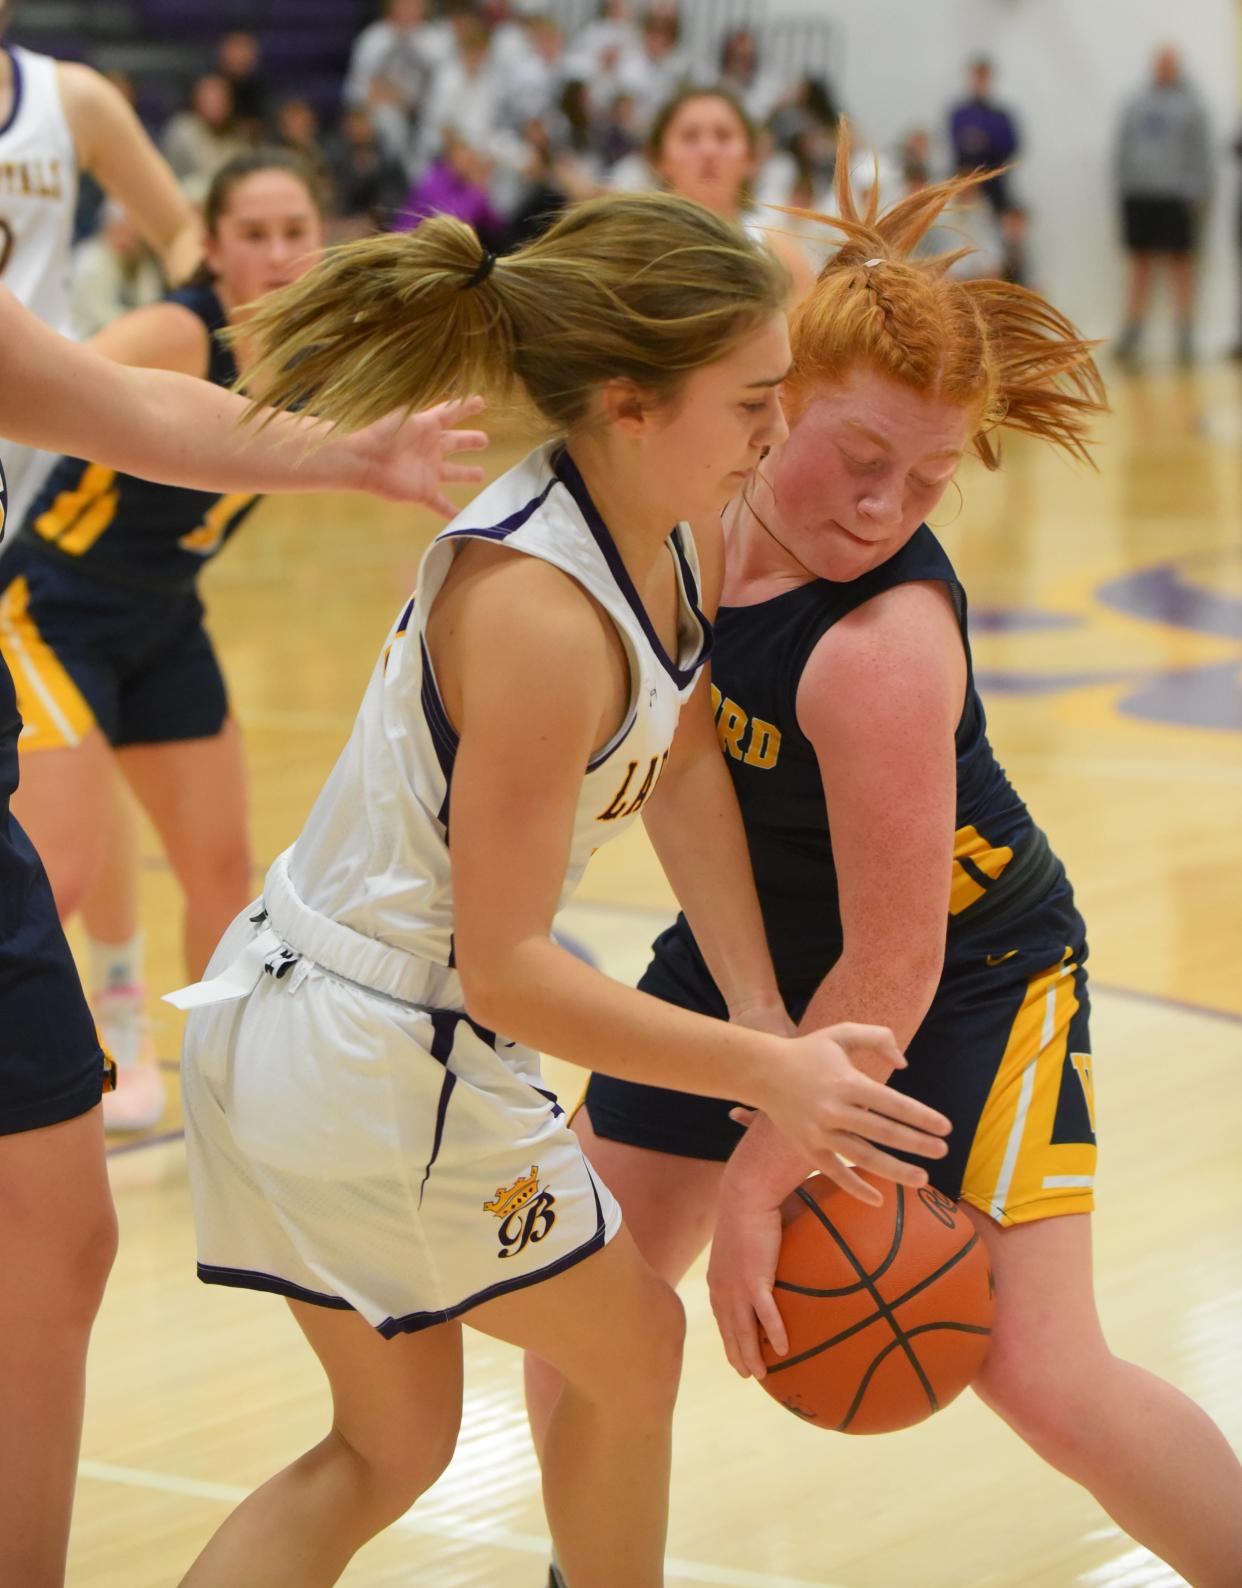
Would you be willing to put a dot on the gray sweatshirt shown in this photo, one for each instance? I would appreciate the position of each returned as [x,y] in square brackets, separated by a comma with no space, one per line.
[1163,145]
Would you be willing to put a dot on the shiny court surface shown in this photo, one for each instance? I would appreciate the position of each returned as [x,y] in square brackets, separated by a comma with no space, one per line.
[1107,625]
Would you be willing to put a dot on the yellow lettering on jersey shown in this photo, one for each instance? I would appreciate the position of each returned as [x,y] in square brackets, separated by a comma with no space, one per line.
[1082,1068]
[765,744]
[76,519]
[207,539]
[730,726]
[31,179]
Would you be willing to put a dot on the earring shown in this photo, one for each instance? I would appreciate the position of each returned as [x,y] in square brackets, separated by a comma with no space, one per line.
[961,503]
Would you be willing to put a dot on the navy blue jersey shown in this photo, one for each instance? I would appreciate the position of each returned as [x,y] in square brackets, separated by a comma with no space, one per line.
[10,723]
[1000,859]
[121,530]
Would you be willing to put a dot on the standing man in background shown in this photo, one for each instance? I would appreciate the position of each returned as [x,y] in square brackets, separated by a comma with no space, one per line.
[983,134]
[1163,176]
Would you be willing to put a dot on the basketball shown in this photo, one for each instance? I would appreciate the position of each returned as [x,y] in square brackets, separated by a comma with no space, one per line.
[888,1309]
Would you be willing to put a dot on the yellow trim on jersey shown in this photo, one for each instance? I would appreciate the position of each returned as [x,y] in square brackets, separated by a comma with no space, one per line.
[77,518]
[1015,1172]
[209,536]
[970,844]
[54,714]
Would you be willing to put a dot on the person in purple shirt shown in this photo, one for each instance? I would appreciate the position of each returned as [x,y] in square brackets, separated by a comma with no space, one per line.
[983,134]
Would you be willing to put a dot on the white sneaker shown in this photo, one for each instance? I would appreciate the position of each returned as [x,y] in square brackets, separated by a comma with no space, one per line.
[138,1102]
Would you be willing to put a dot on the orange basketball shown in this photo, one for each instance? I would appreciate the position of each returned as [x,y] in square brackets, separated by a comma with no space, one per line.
[888,1309]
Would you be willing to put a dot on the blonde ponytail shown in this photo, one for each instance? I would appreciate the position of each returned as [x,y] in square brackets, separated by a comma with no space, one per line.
[643,286]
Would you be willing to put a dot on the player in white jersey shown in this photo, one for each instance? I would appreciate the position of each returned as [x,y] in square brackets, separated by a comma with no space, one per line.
[59,118]
[369,1135]
[57,1224]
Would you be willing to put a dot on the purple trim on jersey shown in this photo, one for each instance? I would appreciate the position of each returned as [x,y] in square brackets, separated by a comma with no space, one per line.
[446,1091]
[252,1279]
[506,526]
[17,89]
[412,1322]
[444,738]
[567,472]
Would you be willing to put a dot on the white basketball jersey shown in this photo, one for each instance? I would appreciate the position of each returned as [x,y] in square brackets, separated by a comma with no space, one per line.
[374,855]
[38,196]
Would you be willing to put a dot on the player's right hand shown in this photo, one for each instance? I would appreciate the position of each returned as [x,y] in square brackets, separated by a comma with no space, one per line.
[825,1097]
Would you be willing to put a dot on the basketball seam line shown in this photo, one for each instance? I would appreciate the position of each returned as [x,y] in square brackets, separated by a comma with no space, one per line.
[865,1323]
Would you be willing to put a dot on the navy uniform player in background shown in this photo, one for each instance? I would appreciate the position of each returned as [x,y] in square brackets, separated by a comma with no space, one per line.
[877,816]
[102,628]
[57,1225]
[58,121]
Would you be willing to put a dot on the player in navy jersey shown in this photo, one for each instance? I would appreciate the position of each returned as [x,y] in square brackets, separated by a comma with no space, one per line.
[902,878]
[57,1224]
[102,626]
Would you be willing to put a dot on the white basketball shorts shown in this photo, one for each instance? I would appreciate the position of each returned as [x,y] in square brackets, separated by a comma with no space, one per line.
[357,1151]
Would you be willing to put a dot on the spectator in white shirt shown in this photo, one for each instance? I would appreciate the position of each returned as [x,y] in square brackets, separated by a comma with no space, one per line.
[390,70]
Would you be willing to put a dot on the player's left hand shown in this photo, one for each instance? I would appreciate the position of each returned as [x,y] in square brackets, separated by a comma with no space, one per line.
[740,1276]
[404,459]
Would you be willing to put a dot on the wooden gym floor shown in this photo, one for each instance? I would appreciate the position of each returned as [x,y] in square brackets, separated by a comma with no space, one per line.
[1107,621]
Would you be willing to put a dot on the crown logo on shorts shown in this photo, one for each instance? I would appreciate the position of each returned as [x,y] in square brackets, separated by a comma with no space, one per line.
[515,1196]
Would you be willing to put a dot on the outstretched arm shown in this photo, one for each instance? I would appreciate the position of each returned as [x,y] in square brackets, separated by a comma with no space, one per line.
[182,431]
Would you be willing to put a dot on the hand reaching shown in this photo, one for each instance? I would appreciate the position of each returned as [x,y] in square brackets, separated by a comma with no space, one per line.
[829,1104]
[404,459]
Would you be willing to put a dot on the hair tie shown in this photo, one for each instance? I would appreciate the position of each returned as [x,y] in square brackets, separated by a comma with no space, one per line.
[481,272]
[869,264]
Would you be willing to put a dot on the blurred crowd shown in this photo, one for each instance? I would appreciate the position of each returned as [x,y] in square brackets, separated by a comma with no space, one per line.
[490,112]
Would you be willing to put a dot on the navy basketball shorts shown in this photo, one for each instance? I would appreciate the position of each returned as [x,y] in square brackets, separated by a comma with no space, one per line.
[137,664]
[1004,1052]
[52,1066]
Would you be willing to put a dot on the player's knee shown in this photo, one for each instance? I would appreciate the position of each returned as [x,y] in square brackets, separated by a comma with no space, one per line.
[88,1260]
[222,868]
[1054,1408]
[390,1482]
[645,1381]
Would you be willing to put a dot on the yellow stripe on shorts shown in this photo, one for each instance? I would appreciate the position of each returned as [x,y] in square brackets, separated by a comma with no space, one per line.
[54,714]
[1015,1172]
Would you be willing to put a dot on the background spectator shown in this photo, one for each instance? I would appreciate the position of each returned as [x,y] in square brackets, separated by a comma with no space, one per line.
[199,139]
[983,134]
[456,183]
[1163,177]
[238,59]
[368,184]
[756,89]
[113,272]
[390,69]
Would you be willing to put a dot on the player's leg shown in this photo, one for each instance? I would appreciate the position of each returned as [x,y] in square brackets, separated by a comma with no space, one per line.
[114,947]
[62,803]
[194,791]
[613,1331]
[1152,1458]
[66,705]
[669,1206]
[57,1243]
[396,1408]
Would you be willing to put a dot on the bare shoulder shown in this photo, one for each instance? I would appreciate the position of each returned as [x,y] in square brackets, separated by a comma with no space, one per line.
[521,602]
[897,655]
